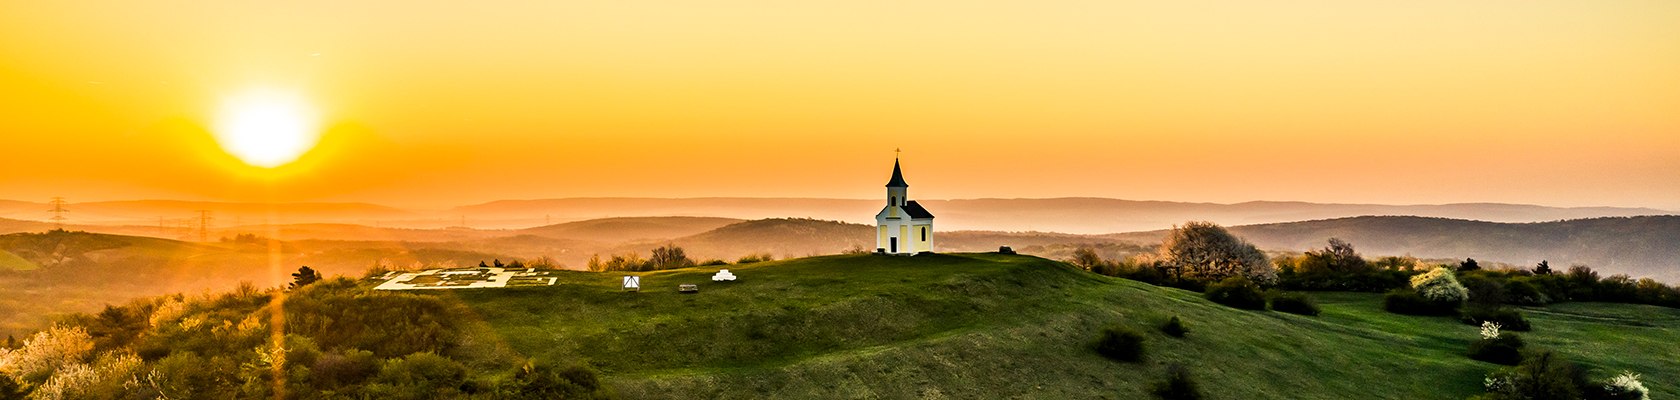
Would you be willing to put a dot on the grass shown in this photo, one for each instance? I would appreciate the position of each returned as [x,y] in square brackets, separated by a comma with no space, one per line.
[995,326]
[11,262]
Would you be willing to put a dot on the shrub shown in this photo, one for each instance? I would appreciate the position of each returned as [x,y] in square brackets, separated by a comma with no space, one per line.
[1410,302]
[1178,386]
[1295,303]
[419,376]
[1237,292]
[1522,291]
[1626,386]
[1440,285]
[1120,343]
[11,388]
[1505,349]
[1174,328]
[540,381]
[1542,375]
[1507,318]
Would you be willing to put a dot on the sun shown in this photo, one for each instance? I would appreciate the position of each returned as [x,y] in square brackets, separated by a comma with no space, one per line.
[266,128]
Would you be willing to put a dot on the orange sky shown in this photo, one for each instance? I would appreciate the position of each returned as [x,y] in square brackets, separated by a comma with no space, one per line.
[430,105]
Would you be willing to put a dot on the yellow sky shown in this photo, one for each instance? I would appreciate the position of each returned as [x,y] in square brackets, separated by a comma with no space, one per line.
[434,104]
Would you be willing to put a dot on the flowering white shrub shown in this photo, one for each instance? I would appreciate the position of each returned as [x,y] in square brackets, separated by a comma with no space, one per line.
[1625,384]
[1497,383]
[1490,330]
[1440,285]
[111,374]
[47,352]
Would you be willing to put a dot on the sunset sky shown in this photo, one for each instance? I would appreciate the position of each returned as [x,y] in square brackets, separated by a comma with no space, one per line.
[434,104]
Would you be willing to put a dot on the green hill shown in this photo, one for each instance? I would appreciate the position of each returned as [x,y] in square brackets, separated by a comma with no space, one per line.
[994,326]
[846,326]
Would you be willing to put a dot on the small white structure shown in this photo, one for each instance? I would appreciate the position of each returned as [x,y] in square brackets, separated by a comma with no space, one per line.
[468,278]
[723,276]
[903,227]
[632,284]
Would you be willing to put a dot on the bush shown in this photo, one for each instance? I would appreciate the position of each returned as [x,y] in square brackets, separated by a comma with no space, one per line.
[1377,281]
[1237,292]
[1178,386]
[1508,319]
[1174,328]
[540,381]
[1542,375]
[1295,303]
[1521,291]
[1505,349]
[1440,285]
[11,388]
[1625,387]
[1121,344]
[1410,302]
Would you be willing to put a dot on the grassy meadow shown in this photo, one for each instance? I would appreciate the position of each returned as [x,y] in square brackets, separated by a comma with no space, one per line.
[989,326]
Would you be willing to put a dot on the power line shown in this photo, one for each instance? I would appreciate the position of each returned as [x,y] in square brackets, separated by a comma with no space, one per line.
[204,225]
[58,211]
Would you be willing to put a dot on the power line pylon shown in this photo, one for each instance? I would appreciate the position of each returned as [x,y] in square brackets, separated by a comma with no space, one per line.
[204,225]
[58,211]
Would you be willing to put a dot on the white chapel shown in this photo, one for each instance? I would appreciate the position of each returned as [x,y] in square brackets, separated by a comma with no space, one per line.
[903,227]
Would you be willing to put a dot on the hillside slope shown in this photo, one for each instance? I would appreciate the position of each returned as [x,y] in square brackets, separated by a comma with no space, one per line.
[992,326]
[624,229]
[1638,246]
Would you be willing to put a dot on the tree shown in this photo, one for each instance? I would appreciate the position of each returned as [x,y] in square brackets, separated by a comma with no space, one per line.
[1469,264]
[1086,258]
[1207,252]
[1342,256]
[304,277]
[670,257]
[1543,268]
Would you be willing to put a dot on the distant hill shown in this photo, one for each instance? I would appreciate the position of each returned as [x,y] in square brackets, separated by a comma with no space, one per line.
[780,237]
[148,212]
[15,226]
[1069,215]
[1638,246]
[616,230]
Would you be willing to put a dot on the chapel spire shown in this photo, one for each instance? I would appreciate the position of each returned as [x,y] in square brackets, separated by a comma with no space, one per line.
[898,176]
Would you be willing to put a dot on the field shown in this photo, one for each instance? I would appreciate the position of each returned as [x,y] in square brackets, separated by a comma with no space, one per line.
[991,326]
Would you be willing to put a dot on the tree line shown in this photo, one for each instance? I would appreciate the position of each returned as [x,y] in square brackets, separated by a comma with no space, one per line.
[1198,254]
